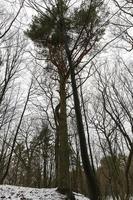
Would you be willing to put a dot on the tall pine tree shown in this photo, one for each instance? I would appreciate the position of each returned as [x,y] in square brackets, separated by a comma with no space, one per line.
[68,34]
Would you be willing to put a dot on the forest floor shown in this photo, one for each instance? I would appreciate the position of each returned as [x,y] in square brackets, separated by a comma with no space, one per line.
[8,192]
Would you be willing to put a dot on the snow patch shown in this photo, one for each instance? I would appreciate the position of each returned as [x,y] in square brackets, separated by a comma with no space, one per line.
[8,192]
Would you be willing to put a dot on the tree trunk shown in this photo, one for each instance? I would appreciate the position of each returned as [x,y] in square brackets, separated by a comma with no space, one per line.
[93,186]
[57,144]
[63,141]
[44,172]
[91,179]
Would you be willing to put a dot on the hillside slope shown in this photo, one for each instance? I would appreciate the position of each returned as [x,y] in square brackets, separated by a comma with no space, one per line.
[8,192]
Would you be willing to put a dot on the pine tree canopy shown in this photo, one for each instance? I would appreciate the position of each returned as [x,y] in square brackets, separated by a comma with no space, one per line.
[84,21]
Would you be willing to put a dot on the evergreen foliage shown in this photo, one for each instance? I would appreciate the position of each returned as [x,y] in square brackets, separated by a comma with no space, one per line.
[86,20]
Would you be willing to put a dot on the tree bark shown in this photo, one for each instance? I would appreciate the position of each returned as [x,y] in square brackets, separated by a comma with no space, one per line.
[92,182]
[91,178]
[63,141]
[57,144]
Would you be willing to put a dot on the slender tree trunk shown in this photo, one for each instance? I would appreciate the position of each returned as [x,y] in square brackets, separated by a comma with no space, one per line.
[57,144]
[87,128]
[91,178]
[44,172]
[57,156]
[93,186]
[127,170]
[28,176]
[63,141]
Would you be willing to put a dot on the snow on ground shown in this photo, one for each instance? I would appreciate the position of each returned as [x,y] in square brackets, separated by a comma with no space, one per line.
[8,192]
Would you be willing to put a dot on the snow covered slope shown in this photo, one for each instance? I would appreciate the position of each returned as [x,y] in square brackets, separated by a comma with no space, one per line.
[8,192]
